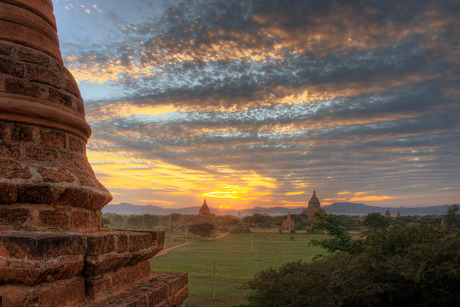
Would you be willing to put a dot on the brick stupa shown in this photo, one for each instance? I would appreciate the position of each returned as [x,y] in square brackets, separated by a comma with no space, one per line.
[204,210]
[53,251]
[314,206]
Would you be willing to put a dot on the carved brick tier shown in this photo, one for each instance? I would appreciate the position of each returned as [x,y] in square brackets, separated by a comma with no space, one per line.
[52,250]
[46,182]
[101,266]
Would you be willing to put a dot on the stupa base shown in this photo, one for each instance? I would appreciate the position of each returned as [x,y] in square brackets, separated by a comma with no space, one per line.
[105,268]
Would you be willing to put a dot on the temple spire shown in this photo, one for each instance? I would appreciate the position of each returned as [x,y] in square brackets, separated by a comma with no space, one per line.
[204,210]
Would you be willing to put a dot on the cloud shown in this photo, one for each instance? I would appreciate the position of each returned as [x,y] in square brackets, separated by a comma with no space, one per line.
[279,97]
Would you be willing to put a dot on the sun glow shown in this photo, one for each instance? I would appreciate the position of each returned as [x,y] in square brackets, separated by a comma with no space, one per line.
[123,171]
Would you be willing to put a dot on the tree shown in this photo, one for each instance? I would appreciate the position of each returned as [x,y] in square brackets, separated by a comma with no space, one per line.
[452,218]
[135,221]
[414,266]
[202,229]
[340,241]
[151,221]
[105,222]
[376,221]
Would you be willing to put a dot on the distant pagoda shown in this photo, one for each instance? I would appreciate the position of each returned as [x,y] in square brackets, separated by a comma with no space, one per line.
[288,223]
[204,210]
[314,206]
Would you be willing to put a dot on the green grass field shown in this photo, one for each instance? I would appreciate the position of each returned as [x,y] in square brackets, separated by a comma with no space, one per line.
[238,257]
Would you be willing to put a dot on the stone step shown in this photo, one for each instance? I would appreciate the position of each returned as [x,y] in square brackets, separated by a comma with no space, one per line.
[166,289]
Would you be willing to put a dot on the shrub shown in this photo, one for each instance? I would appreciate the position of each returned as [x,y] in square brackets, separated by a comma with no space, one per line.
[415,266]
[241,229]
[202,229]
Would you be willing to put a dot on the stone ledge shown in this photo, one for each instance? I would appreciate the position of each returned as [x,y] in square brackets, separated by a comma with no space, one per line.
[111,250]
[167,289]
[69,292]
[112,283]
[32,258]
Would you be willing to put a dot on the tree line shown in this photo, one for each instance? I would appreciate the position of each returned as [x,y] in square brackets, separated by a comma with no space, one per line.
[177,221]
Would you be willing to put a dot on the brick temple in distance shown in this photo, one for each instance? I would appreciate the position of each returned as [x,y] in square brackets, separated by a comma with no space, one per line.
[314,206]
[53,251]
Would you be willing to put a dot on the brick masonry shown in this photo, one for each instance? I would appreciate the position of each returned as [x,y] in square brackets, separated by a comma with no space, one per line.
[53,251]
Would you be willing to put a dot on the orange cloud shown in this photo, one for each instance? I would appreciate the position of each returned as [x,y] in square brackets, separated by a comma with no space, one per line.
[123,171]
[371,198]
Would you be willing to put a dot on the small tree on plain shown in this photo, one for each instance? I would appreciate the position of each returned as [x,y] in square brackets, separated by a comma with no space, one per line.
[202,229]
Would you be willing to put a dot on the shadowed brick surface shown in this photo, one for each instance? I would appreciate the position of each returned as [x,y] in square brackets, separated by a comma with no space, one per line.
[53,251]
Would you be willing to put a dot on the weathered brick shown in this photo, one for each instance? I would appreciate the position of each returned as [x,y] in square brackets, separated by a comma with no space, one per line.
[8,193]
[35,153]
[20,87]
[97,264]
[4,130]
[60,98]
[74,161]
[121,242]
[84,179]
[63,293]
[180,296]
[100,243]
[139,240]
[10,151]
[13,216]
[74,197]
[108,282]
[79,106]
[76,144]
[11,169]
[35,194]
[33,272]
[5,50]
[42,74]
[80,220]
[70,84]
[97,286]
[55,219]
[52,138]
[34,57]
[136,272]
[12,68]
[159,295]
[55,175]
[36,246]
[21,133]
[97,201]
[96,219]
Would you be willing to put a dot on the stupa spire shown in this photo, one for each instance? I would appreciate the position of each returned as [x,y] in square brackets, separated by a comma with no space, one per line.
[204,210]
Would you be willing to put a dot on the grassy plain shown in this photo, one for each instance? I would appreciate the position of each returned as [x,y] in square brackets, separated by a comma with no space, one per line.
[237,257]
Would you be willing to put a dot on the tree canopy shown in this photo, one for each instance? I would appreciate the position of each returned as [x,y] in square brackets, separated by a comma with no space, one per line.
[202,229]
[412,266]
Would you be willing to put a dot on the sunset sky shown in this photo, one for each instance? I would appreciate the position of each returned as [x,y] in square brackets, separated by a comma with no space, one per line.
[258,103]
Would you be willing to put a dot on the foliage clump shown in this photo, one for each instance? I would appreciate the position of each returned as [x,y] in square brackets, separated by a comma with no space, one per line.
[412,266]
[240,229]
[340,241]
[202,229]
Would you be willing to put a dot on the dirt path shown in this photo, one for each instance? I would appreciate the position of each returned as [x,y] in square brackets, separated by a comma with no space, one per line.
[166,250]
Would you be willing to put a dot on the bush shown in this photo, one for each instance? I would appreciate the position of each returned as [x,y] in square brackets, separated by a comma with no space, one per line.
[340,241]
[415,266]
[241,229]
[202,230]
